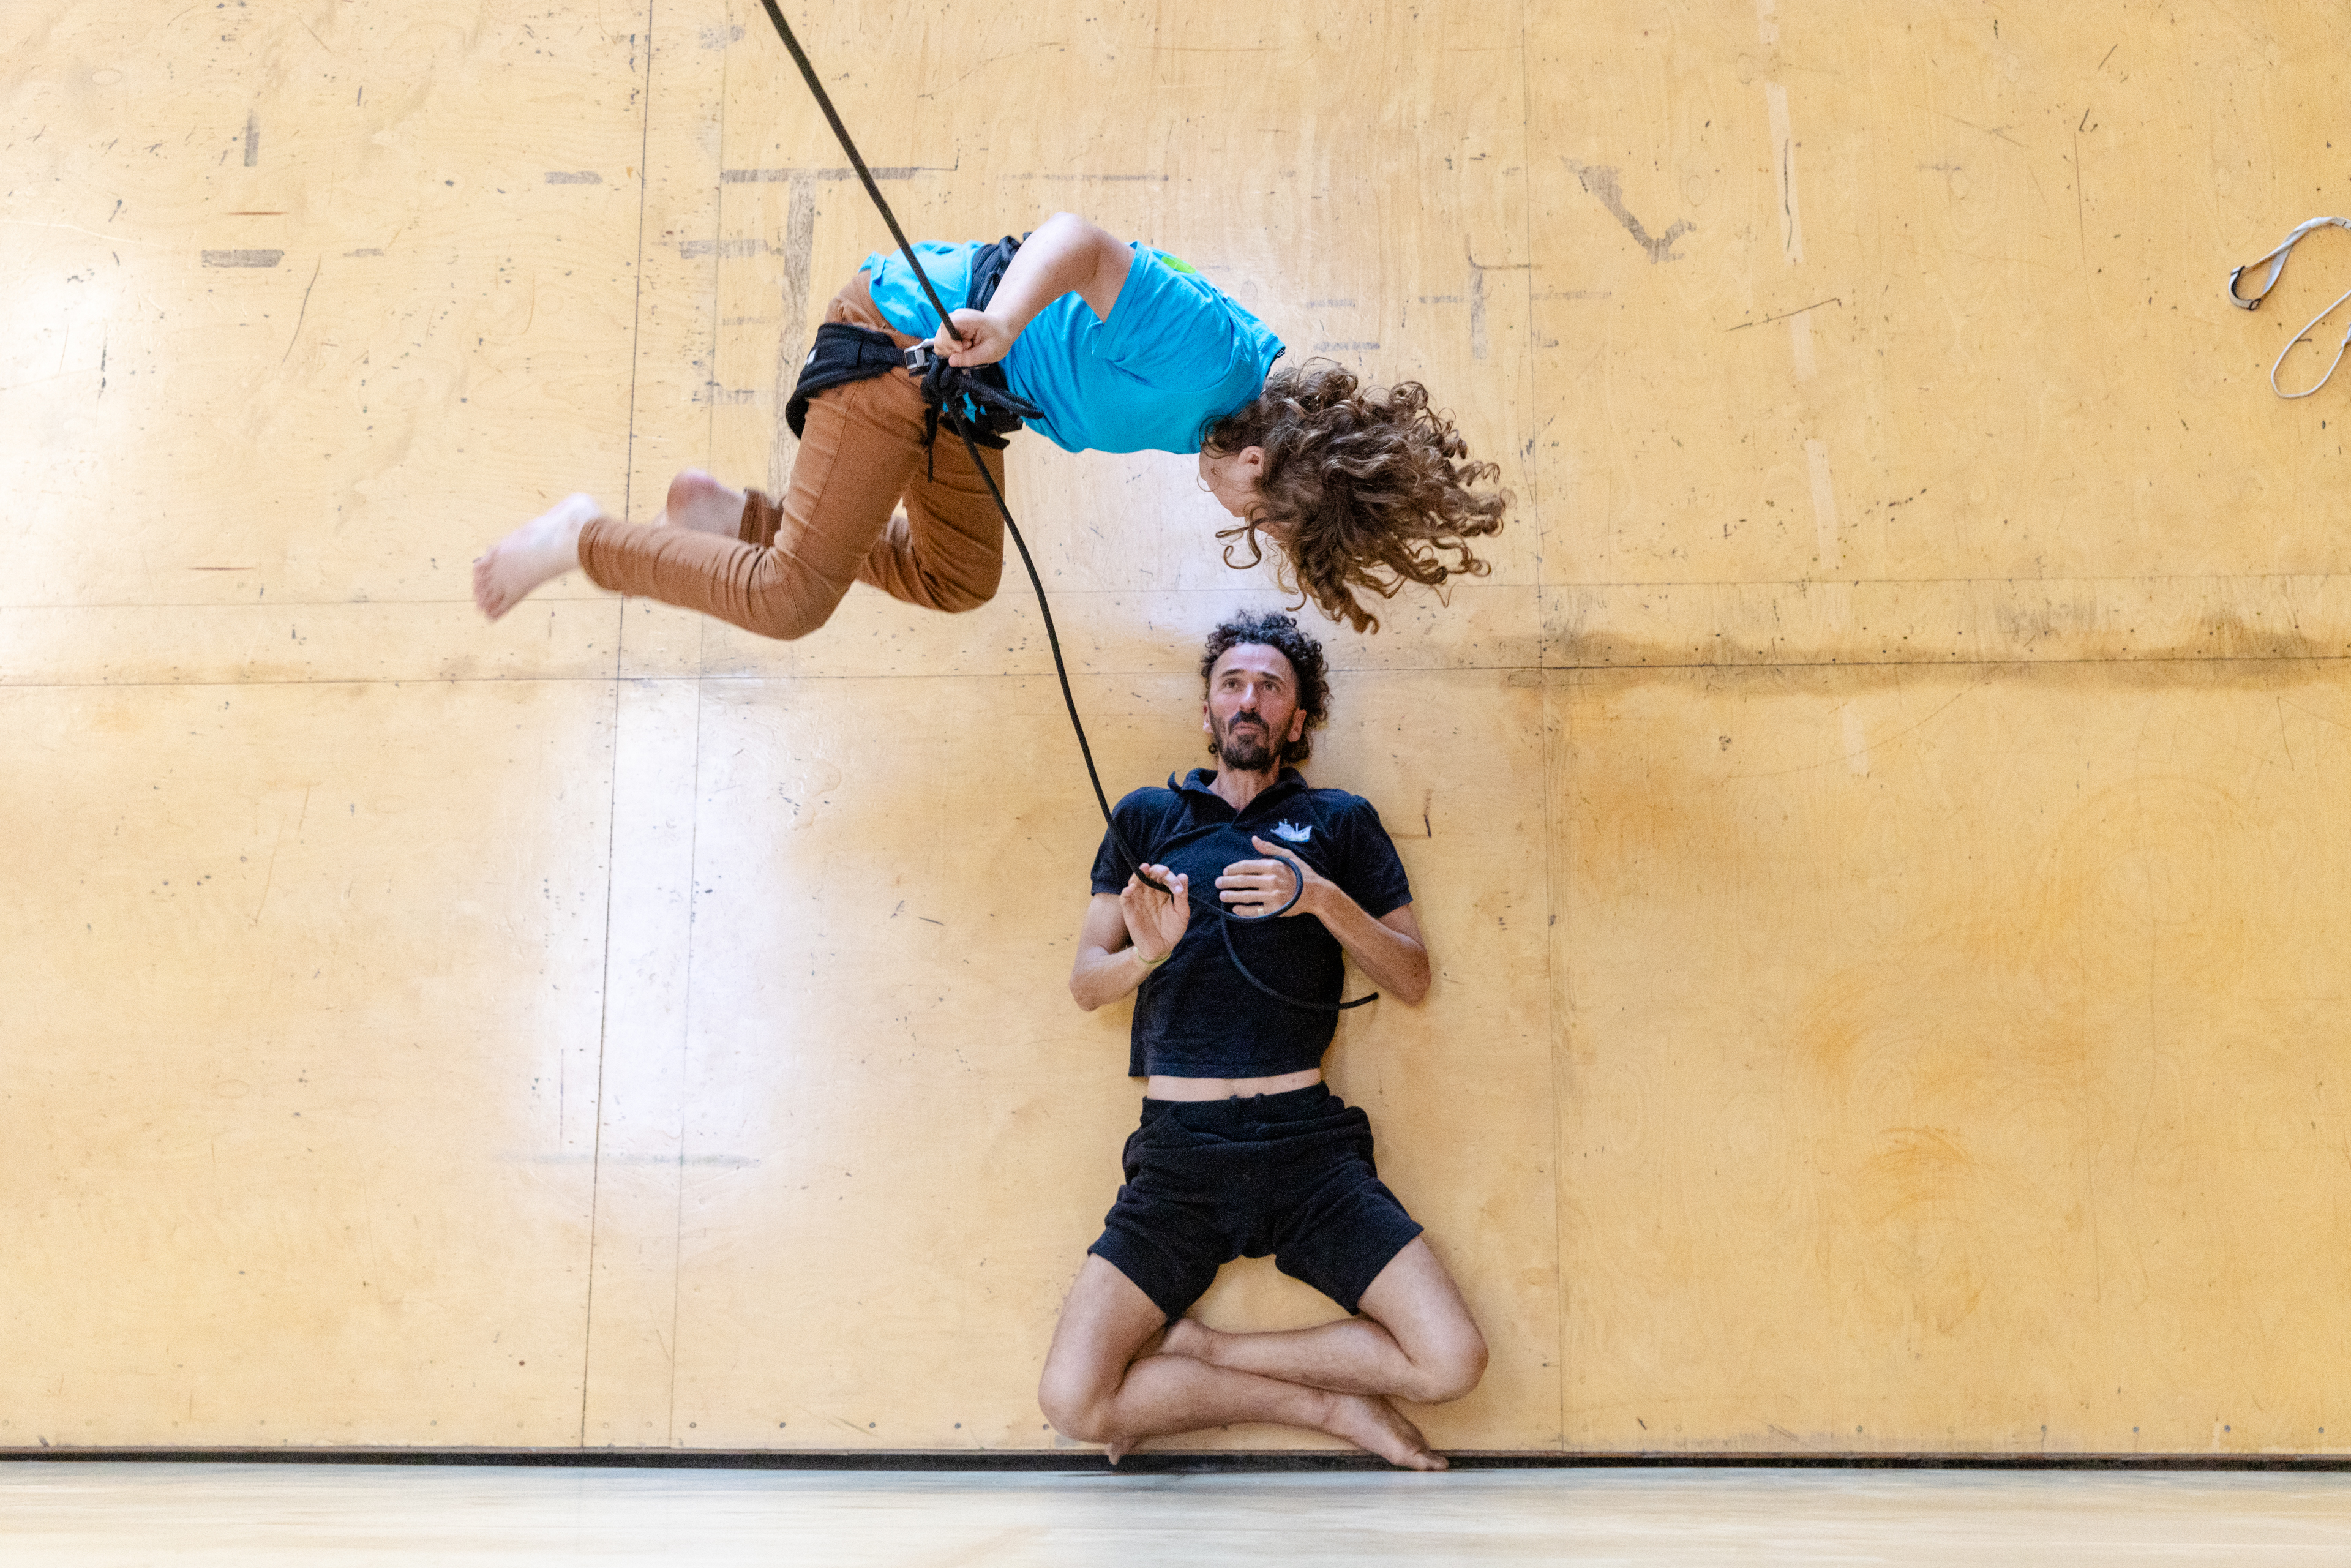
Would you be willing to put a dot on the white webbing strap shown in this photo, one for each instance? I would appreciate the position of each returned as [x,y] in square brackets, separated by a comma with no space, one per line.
[2276,261]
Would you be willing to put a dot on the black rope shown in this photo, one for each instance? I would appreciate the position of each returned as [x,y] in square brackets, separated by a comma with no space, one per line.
[1052,638]
[824,102]
[943,383]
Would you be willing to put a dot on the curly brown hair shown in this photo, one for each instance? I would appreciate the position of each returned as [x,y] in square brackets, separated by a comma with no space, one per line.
[1372,487]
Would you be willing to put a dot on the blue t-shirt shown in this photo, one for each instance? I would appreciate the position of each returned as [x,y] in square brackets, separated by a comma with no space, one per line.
[1196,1017]
[1175,355]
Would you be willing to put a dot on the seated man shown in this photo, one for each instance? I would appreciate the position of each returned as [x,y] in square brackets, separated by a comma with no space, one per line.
[1243,1151]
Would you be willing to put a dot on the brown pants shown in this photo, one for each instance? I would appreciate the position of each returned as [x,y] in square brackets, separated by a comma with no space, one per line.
[860,454]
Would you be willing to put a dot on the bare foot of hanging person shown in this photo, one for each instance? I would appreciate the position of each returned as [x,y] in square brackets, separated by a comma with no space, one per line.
[533,556]
[699,502]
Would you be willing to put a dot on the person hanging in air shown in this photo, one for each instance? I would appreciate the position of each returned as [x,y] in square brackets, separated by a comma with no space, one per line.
[1121,348]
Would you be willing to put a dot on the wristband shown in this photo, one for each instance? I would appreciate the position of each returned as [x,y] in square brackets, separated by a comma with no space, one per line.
[1153,963]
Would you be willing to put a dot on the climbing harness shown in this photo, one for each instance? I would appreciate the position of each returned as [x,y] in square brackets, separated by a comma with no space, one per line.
[977,408]
[980,408]
[977,399]
[2277,260]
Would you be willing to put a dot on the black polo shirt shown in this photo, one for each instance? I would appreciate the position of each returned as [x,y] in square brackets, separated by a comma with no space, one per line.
[1195,1016]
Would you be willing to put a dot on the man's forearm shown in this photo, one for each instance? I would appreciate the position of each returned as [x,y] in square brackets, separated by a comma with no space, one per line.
[1101,977]
[1389,958]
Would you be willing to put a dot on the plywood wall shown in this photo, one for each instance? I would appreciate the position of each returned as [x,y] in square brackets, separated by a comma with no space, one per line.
[1880,823]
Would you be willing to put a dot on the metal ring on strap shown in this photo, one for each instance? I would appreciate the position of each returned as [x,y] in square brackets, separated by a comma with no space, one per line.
[2277,260]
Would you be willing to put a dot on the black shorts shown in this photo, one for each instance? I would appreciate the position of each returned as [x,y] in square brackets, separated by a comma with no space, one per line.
[1290,1174]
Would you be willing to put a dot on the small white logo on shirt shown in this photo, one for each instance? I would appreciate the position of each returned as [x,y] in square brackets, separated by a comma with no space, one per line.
[1290,832]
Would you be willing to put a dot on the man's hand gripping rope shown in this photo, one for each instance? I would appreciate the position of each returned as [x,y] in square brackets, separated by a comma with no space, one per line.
[1157,901]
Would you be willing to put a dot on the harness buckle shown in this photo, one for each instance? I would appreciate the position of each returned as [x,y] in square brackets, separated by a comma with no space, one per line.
[975,403]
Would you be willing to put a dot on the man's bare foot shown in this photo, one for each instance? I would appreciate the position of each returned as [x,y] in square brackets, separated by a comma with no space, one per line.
[1373,1424]
[534,555]
[699,502]
[1155,1345]
[1187,1336]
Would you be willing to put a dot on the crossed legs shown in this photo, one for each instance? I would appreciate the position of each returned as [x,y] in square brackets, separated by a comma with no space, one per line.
[1119,1373]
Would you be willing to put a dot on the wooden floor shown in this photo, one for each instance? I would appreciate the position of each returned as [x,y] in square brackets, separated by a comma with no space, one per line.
[1880,826]
[260,1516]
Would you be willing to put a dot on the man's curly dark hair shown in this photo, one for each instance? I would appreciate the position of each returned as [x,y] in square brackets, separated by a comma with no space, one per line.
[1364,489]
[1272,629]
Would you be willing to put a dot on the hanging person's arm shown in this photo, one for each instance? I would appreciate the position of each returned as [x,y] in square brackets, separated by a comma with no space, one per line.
[1066,254]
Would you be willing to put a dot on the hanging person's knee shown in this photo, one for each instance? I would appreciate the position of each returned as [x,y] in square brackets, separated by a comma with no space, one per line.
[785,600]
[967,591]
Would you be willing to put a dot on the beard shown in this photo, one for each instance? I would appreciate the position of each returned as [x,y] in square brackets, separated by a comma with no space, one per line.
[1247,750]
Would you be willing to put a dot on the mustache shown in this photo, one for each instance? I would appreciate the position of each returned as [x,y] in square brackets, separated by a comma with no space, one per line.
[1245,740]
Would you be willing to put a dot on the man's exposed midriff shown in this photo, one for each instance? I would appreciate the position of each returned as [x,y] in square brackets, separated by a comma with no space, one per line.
[1163,1088]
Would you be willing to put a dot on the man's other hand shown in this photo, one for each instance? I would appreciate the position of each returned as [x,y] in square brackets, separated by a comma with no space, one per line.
[1257,888]
[1154,921]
